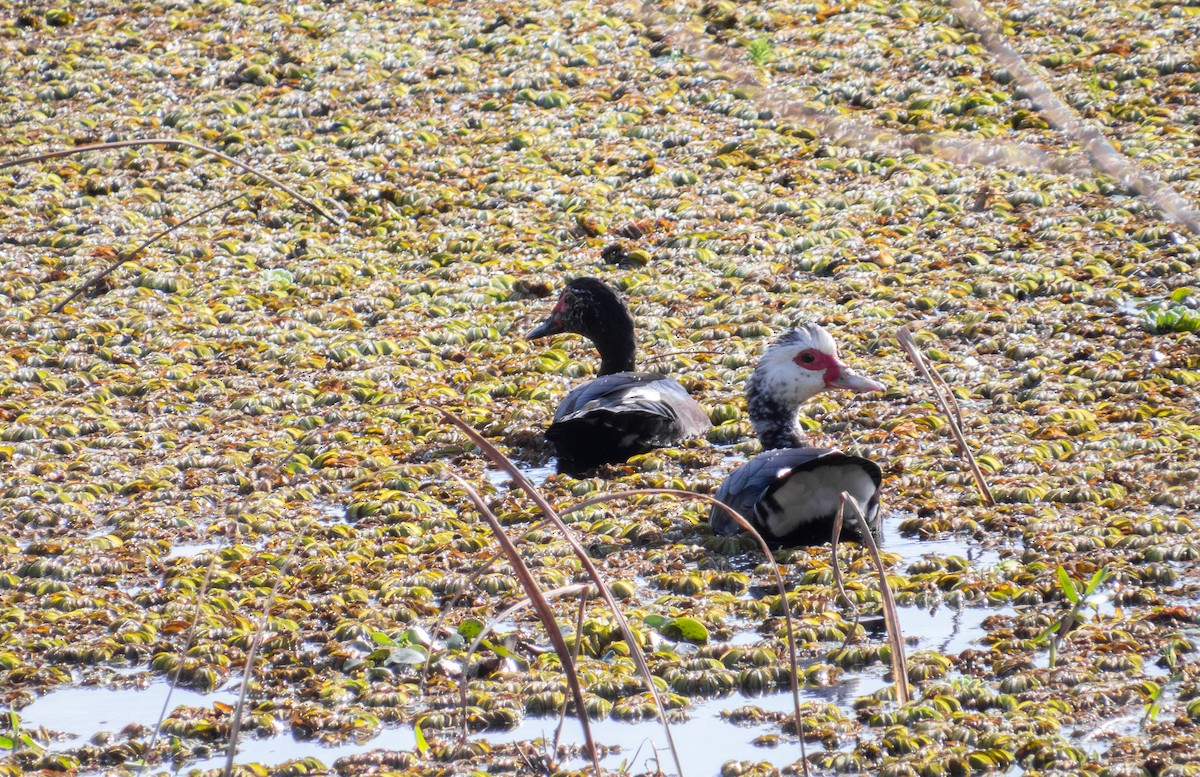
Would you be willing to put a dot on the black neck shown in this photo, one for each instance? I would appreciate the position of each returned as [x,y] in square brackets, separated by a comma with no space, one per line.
[774,422]
[616,345]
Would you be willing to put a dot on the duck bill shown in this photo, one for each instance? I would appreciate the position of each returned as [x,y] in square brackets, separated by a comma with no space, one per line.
[551,326]
[556,322]
[846,378]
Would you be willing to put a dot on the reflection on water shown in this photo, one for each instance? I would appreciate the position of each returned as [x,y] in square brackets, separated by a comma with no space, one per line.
[536,475]
[946,630]
[704,741]
[82,712]
[912,548]
[188,551]
[276,750]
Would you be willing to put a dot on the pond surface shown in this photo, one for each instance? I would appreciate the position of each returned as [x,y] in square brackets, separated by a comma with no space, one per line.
[80,713]
[944,630]
[190,551]
[536,475]
[83,712]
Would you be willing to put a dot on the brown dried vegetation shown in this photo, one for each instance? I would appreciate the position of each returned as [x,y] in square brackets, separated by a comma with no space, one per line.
[231,419]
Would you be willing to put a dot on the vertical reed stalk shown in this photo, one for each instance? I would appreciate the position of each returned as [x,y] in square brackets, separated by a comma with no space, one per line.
[949,404]
[891,617]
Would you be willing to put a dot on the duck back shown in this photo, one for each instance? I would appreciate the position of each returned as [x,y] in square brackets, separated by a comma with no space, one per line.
[791,495]
[613,417]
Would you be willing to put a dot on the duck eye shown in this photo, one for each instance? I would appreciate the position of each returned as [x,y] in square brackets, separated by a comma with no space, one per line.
[807,357]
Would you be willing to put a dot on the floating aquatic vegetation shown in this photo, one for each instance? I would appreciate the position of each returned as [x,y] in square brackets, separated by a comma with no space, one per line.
[1178,313]
[251,381]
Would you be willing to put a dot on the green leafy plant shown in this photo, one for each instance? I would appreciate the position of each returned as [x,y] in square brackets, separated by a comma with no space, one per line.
[1154,691]
[16,738]
[422,743]
[1180,312]
[759,50]
[682,627]
[405,650]
[1055,633]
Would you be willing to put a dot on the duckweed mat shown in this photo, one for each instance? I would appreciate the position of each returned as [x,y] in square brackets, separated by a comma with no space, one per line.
[230,444]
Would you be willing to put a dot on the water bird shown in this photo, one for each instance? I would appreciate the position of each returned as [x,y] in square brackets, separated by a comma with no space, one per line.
[620,413]
[790,491]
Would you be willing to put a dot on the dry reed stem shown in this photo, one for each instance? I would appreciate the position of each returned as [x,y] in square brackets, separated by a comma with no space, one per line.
[837,573]
[247,673]
[1104,156]
[540,605]
[762,544]
[175,142]
[128,257]
[518,477]
[562,717]
[187,644]
[487,629]
[891,617]
[855,134]
[949,404]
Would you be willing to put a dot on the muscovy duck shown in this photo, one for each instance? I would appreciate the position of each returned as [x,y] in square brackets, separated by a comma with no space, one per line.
[789,493]
[621,413]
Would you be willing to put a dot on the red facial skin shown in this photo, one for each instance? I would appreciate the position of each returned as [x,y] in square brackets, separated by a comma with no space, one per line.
[835,372]
[813,359]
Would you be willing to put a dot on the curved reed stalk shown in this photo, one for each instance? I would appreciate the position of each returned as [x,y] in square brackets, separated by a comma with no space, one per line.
[518,477]
[887,602]
[793,662]
[129,256]
[945,397]
[1104,155]
[248,672]
[174,142]
[542,607]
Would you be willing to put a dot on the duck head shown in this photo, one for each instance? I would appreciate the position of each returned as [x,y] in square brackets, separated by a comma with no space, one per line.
[592,308]
[797,366]
[803,362]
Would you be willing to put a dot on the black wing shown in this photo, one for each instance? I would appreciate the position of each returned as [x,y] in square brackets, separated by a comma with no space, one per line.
[790,495]
[617,416]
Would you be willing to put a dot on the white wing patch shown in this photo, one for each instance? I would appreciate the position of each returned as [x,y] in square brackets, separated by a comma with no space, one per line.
[648,393]
[813,495]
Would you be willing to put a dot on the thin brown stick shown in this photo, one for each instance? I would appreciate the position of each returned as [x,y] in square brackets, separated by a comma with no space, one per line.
[562,716]
[127,257]
[191,632]
[949,404]
[762,544]
[187,644]
[541,606]
[248,671]
[175,142]
[487,629]
[518,477]
[891,617]
[446,609]
[837,572]
[1104,156]
[837,128]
